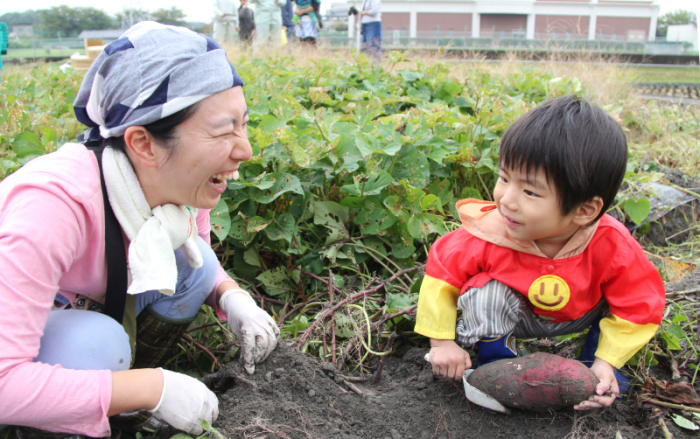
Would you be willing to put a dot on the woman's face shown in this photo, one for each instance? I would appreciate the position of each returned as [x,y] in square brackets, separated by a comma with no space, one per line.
[209,147]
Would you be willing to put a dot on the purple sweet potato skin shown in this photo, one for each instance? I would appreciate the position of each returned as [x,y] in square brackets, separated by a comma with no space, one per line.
[539,382]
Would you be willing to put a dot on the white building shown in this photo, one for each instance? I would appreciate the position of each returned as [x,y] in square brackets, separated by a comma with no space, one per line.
[613,20]
[687,33]
[23,30]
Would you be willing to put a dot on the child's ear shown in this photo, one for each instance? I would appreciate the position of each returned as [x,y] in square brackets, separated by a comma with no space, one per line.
[588,211]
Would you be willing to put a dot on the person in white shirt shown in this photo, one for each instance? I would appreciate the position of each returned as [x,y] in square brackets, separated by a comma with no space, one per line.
[371,19]
[225,21]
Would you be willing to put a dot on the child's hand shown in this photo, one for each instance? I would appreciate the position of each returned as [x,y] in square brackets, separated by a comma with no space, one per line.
[448,359]
[607,389]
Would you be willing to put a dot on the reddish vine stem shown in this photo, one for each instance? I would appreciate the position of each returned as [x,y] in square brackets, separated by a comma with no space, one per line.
[298,307]
[206,325]
[345,354]
[393,316]
[330,310]
[207,351]
[267,299]
[330,303]
[388,346]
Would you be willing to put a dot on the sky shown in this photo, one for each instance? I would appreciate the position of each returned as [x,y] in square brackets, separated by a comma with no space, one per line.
[201,10]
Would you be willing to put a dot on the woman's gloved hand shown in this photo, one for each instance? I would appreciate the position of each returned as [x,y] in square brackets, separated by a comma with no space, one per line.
[184,401]
[254,328]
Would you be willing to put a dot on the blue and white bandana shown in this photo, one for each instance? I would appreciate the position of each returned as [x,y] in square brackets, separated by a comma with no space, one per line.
[150,72]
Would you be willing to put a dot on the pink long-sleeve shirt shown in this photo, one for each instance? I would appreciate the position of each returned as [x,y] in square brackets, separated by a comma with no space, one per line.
[52,241]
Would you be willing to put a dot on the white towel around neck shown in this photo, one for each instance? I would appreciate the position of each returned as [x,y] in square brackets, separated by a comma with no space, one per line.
[154,233]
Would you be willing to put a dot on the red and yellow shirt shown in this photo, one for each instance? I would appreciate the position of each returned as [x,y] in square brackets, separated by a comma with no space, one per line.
[599,261]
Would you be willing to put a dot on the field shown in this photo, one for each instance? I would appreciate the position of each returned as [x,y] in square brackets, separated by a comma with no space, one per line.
[355,172]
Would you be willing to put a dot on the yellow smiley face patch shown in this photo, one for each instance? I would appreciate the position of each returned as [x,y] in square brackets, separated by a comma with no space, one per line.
[549,293]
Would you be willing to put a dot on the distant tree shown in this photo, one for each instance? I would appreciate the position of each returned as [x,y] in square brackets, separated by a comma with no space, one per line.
[173,16]
[680,16]
[26,17]
[69,22]
[130,16]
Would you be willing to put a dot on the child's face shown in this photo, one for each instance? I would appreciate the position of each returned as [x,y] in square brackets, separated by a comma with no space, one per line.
[530,207]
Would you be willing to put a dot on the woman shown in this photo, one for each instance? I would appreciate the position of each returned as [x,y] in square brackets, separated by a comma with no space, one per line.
[167,117]
[305,21]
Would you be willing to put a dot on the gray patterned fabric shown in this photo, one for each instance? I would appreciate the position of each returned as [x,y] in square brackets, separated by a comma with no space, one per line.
[495,310]
[150,72]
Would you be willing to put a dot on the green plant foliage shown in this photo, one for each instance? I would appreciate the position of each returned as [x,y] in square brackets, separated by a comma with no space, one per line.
[355,172]
[37,114]
[352,162]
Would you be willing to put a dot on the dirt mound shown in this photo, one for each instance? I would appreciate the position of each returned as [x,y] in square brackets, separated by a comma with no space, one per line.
[295,396]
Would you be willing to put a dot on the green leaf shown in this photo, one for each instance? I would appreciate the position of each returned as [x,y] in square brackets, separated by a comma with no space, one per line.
[679,318]
[271,124]
[276,281]
[364,145]
[181,436]
[343,325]
[257,224]
[422,225]
[373,186]
[251,257]
[402,251]
[282,227]
[205,425]
[412,166]
[431,201]
[284,183]
[333,216]
[683,422]
[409,76]
[672,341]
[676,330]
[637,210]
[297,325]
[399,301]
[220,220]
[372,217]
[470,192]
[27,143]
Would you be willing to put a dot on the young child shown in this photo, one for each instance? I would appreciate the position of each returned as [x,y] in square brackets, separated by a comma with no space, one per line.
[544,259]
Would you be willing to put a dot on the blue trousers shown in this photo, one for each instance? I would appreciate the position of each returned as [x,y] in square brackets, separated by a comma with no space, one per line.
[372,39]
[87,340]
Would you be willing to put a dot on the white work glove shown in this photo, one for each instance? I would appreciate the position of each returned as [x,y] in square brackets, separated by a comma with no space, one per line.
[184,401]
[256,331]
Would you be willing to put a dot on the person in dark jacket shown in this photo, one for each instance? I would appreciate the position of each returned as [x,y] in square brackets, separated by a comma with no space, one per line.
[246,23]
[287,16]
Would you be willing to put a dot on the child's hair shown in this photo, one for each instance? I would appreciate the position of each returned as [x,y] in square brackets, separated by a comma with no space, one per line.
[580,148]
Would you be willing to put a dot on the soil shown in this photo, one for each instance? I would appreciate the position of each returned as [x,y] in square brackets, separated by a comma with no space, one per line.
[295,396]
[292,395]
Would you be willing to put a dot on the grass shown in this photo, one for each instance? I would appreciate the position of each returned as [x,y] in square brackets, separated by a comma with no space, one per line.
[687,74]
[39,52]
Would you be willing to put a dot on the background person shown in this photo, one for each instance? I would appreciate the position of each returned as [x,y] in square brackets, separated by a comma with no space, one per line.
[287,17]
[371,19]
[166,113]
[306,21]
[225,21]
[268,23]
[246,23]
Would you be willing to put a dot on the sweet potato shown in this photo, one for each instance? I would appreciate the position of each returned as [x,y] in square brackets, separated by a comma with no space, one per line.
[537,382]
